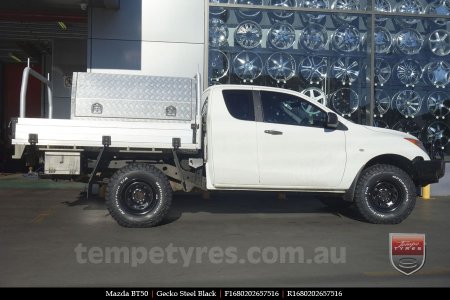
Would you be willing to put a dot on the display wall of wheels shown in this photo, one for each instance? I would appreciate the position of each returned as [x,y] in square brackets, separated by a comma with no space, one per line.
[327,57]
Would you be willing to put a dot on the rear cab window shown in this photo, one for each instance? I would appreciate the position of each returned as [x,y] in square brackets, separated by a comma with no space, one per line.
[240,104]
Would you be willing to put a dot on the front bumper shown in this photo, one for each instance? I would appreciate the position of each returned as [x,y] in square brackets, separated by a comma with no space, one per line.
[428,171]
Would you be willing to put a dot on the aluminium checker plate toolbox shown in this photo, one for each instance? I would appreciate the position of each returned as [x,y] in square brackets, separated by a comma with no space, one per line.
[132,97]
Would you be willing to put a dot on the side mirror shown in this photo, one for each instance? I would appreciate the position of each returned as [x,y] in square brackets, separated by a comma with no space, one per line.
[332,120]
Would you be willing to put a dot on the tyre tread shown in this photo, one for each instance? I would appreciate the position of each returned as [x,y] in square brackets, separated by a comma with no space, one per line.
[359,194]
[166,190]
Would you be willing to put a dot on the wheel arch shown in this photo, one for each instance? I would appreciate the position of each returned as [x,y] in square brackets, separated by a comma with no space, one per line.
[396,160]
[399,161]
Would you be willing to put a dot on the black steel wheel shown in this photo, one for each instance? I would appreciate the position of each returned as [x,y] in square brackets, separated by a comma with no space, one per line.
[384,194]
[139,195]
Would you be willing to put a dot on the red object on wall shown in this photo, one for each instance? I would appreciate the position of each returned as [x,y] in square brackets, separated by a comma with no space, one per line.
[12,80]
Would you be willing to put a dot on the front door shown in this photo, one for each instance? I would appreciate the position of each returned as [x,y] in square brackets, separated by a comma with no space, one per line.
[294,147]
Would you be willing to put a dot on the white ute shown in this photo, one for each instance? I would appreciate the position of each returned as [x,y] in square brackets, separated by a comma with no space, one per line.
[147,136]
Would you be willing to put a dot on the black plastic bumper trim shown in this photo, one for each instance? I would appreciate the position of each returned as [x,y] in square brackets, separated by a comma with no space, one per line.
[428,171]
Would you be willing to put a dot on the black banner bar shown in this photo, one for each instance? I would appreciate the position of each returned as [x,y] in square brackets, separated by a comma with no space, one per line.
[210,293]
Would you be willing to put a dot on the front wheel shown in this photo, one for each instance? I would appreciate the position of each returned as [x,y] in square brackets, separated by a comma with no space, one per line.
[385,194]
[139,195]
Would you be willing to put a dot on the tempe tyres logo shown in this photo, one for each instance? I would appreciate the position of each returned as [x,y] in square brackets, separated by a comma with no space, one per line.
[407,251]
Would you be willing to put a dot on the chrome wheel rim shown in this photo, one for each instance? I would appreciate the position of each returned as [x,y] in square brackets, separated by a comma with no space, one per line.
[439,7]
[439,42]
[218,33]
[438,133]
[345,101]
[408,103]
[315,94]
[409,41]
[250,13]
[281,36]
[438,73]
[248,35]
[313,68]
[345,69]
[382,101]
[383,40]
[281,66]
[346,38]
[282,15]
[382,6]
[409,72]
[351,5]
[218,64]
[383,71]
[314,37]
[409,7]
[319,4]
[217,11]
[436,104]
[247,65]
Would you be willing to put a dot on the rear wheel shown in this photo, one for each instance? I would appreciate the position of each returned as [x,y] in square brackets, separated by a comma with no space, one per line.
[385,194]
[139,195]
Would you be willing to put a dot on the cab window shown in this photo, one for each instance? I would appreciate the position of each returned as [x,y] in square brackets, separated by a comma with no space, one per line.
[240,104]
[287,109]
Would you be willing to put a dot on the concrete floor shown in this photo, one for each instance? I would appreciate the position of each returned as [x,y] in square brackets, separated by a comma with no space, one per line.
[41,228]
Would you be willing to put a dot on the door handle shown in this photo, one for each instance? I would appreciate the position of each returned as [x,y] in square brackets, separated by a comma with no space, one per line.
[273,132]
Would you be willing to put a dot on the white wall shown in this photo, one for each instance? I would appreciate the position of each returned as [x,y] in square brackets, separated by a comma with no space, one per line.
[154,37]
